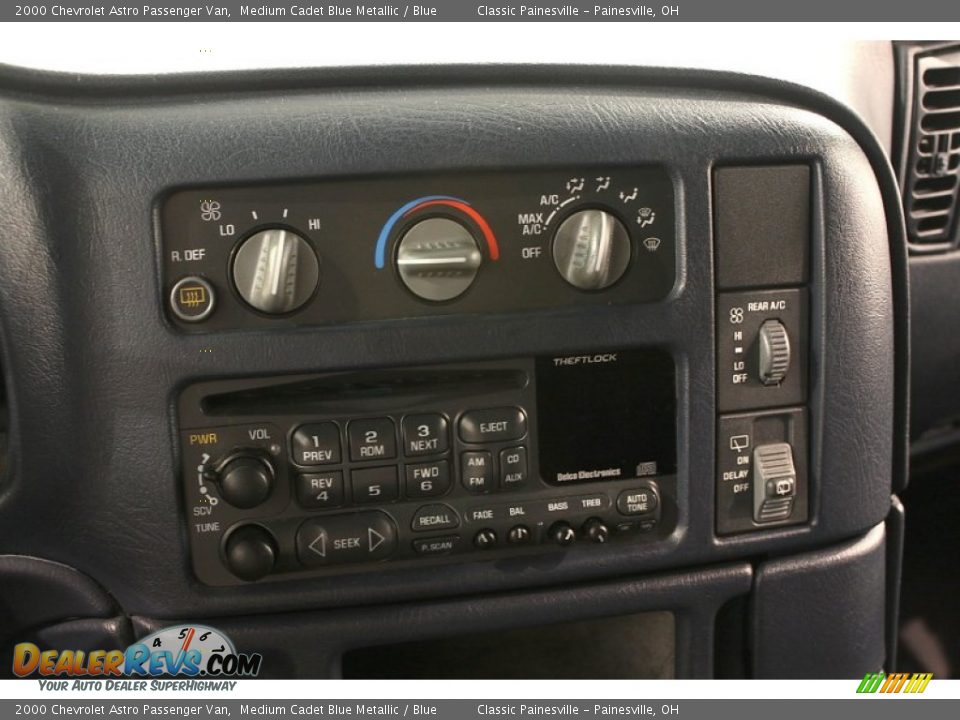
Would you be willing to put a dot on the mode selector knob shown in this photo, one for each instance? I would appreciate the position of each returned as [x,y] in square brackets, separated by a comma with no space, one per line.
[438,259]
[774,352]
[276,271]
[591,249]
[245,480]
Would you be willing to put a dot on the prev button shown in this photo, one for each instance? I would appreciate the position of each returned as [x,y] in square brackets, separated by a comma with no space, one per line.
[348,538]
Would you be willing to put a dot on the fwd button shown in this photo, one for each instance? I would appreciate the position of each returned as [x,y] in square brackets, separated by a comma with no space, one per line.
[350,538]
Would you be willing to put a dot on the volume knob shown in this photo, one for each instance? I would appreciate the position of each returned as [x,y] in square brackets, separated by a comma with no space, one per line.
[276,271]
[591,249]
[438,259]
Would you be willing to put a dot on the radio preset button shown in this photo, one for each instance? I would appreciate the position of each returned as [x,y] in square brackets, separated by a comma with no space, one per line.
[372,439]
[320,490]
[513,468]
[638,501]
[476,472]
[493,425]
[316,444]
[435,517]
[425,435]
[337,539]
[428,479]
[374,485]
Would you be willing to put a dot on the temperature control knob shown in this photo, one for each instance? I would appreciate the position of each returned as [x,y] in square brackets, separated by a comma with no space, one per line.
[591,249]
[276,271]
[438,259]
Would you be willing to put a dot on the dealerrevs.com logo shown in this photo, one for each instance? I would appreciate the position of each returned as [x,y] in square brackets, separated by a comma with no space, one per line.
[189,651]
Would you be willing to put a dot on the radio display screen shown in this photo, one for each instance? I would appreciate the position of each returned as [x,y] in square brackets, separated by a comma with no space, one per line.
[606,416]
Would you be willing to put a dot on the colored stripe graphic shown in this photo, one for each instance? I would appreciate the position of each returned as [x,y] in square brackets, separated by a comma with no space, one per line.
[380,255]
[894,683]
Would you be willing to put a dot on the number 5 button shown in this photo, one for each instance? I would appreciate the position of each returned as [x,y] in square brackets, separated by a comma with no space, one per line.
[373,485]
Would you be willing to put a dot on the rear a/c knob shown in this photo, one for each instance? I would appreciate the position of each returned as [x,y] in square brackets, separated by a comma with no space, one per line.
[774,360]
[438,259]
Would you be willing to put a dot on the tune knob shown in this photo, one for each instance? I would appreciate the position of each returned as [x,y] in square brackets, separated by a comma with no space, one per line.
[250,552]
[245,480]
[276,271]
[438,259]
[591,249]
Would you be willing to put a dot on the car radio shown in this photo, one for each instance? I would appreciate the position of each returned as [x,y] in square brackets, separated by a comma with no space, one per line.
[318,474]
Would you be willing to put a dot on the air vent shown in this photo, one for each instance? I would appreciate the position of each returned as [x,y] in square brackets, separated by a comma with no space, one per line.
[930,157]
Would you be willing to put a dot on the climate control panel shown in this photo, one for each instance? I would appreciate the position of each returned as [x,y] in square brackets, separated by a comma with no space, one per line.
[351,250]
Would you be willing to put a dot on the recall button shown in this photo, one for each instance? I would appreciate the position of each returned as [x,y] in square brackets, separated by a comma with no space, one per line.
[493,425]
[639,501]
[435,517]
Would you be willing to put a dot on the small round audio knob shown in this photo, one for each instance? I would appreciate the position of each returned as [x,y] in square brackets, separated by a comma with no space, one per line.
[245,481]
[438,259]
[591,249]
[250,552]
[276,271]
[562,534]
[596,530]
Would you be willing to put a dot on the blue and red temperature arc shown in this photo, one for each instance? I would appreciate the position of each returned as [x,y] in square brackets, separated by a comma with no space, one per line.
[380,256]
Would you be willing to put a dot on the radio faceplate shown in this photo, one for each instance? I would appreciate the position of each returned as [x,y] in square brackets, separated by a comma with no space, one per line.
[286,477]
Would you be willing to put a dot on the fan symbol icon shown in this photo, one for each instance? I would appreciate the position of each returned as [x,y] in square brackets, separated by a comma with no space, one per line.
[209,210]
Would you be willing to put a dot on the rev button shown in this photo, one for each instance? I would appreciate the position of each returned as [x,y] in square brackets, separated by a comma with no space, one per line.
[349,538]
[435,517]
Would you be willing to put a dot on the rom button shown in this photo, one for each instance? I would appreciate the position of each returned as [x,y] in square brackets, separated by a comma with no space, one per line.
[349,538]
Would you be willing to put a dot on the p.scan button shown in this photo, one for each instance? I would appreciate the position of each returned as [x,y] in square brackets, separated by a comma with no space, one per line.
[349,538]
